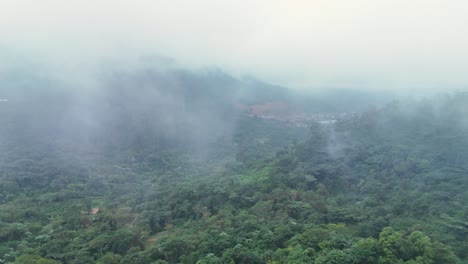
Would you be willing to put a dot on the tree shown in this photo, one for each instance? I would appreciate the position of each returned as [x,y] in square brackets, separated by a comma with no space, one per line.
[33,259]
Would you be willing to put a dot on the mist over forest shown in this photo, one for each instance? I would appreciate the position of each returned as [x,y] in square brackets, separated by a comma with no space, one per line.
[233,132]
[161,164]
[154,106]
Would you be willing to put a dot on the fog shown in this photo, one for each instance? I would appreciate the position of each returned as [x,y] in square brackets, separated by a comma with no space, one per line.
[115,74]
[412,47]
[219,131]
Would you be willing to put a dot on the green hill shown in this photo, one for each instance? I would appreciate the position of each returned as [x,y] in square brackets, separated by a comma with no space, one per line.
[161,167]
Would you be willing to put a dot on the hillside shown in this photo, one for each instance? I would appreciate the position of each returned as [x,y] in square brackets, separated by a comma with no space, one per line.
[166,174]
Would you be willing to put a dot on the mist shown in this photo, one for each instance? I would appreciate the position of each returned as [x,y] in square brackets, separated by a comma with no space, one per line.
[197,132]
[414,48]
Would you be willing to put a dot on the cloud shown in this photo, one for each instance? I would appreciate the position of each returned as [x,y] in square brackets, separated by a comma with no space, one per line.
[384,44]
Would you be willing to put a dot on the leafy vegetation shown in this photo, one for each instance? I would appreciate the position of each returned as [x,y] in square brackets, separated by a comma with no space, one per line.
[387,186]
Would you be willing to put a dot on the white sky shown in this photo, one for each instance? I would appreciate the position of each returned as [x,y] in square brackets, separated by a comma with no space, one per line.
[391,44]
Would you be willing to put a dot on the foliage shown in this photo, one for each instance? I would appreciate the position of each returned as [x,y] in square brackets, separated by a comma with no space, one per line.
[387,186]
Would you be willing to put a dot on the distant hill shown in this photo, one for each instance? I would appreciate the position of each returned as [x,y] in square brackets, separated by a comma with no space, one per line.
[165,106]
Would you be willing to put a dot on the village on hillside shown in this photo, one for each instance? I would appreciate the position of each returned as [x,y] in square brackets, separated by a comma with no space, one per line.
[280,111]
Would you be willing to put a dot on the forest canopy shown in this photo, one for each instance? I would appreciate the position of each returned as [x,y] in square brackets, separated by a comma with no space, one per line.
[185,175]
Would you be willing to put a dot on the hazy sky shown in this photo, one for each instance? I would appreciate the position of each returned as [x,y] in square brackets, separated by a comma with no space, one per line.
[402,44]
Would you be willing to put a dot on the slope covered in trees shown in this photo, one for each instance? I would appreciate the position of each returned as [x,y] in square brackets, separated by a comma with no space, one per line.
[186,179]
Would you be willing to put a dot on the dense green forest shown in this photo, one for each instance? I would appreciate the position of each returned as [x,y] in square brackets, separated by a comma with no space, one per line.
[133,178]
